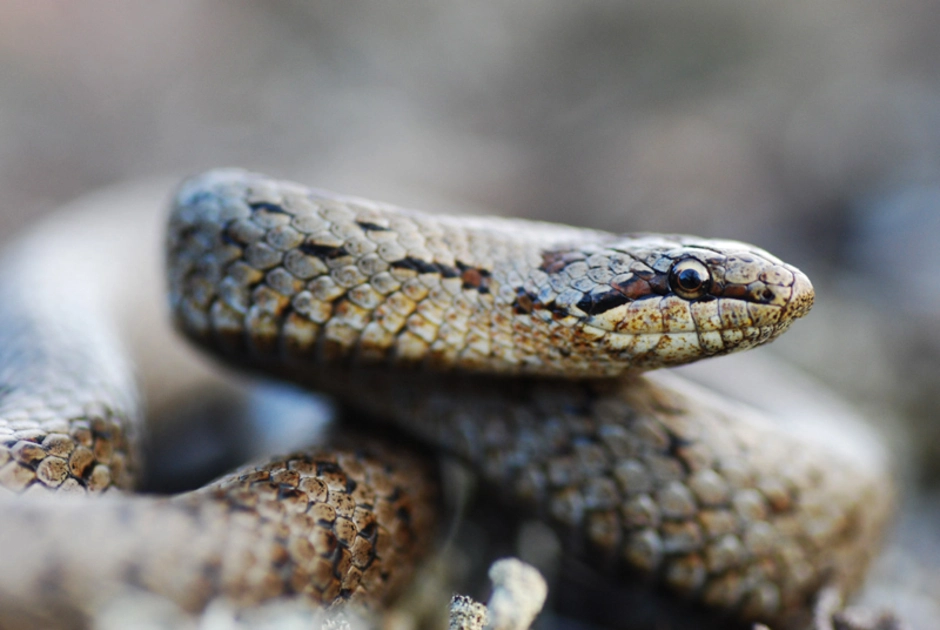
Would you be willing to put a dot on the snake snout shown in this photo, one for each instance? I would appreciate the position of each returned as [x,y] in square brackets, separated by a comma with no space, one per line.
[801,297]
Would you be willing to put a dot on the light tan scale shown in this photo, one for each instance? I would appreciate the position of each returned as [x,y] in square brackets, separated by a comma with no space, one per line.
[514,345]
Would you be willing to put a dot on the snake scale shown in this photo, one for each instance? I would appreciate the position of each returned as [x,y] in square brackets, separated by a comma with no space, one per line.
[520,347]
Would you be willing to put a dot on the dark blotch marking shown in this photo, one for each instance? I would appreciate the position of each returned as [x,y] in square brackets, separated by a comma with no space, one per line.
[735,291]
[331,541]
[285,491]
[228,239]
[267,206]
[404,514]
[241,507]
[448,272]
[597,303]
[474,277]
[555,261]
[645,274]
[417,265]
[369,531]
[328,468]
[675,450]
[323,252]
[634,288]
[524,303]
[375,227]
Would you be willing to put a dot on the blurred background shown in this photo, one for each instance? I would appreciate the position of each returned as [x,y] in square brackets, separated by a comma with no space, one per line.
[811,128]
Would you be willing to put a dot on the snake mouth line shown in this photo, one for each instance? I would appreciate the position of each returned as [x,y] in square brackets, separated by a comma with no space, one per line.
[682,347]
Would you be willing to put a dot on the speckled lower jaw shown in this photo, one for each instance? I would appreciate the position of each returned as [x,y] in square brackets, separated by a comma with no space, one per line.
[676,348]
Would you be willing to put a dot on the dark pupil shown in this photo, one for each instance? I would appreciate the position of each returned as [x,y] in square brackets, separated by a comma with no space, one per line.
[689,279]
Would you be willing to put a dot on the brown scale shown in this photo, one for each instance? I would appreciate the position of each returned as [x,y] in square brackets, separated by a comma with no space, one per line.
[341,523]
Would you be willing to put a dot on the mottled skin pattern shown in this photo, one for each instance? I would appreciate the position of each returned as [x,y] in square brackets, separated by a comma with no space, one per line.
[274,268]
[514,345]
[654,478]
[718,504]
[345,522]
[340,523]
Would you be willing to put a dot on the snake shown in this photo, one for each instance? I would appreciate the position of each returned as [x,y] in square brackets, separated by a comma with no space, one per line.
[525,349]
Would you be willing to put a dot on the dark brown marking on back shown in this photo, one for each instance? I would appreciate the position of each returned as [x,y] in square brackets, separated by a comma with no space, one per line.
[555,261]
[375,227]
[228,239]
[267,206]
[524,302]
[474,277]
[323,252]
[420,266]
[328,468]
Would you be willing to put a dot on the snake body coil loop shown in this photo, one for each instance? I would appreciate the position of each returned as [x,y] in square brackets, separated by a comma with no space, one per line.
[516,346]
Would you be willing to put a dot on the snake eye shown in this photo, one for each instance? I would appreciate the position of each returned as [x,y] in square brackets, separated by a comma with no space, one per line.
[689,279]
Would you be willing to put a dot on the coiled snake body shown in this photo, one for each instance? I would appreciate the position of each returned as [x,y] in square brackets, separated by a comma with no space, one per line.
[515,345]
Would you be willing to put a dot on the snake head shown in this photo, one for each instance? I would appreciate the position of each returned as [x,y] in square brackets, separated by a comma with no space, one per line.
[655,300]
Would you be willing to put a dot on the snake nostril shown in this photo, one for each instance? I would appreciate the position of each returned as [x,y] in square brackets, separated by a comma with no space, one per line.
[768,294]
